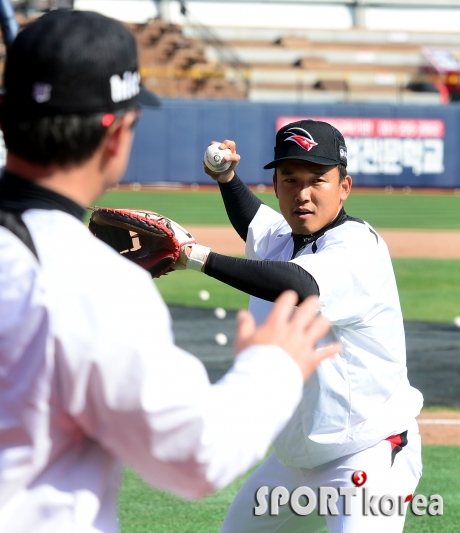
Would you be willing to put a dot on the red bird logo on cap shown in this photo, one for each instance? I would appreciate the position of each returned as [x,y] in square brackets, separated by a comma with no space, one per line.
[306,141]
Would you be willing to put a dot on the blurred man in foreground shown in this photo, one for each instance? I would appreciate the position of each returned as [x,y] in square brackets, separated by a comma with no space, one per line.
[89,373]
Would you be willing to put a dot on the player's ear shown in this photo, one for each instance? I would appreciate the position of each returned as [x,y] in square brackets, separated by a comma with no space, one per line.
[275,183]
[118,134]
[345,187]
[115,149]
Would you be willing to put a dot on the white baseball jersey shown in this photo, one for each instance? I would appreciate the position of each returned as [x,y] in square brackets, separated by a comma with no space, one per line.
[89,377]
[357,398]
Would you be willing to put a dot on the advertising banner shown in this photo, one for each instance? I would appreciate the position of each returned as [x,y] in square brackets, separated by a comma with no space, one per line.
[388,145]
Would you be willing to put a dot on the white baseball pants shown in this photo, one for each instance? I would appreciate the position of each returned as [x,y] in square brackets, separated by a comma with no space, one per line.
[401,479]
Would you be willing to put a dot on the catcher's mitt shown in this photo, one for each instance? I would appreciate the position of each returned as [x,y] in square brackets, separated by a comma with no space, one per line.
[151,240]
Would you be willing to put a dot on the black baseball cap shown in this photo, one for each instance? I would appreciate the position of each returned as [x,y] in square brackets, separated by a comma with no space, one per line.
[72,62]
[310,140]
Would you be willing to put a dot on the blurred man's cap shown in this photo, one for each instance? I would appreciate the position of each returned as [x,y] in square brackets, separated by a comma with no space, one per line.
[73,62]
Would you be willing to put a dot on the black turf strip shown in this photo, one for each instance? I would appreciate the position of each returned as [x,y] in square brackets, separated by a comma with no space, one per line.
[433,361]
[433,351]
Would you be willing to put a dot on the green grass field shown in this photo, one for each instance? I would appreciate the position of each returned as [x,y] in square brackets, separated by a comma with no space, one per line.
[429,290]
[143,510]
[380,210]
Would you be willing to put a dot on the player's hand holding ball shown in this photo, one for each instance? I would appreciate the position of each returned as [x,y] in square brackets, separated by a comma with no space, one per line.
[214,158]
[220,159]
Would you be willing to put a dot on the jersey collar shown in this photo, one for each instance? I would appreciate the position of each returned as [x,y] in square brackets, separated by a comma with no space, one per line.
[301,241]
[19,194]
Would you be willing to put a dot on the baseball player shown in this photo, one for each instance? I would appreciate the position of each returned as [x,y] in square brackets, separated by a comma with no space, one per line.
[358,410]
[89,373]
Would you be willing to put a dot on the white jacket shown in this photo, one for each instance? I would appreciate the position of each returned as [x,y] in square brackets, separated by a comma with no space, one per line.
[89,377]
[358,398]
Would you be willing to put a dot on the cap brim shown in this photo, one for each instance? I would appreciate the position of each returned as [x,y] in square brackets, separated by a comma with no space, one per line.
[146,98]
[312,159]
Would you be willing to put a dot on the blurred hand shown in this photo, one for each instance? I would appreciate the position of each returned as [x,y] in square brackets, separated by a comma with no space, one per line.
[226,175]
[297,333]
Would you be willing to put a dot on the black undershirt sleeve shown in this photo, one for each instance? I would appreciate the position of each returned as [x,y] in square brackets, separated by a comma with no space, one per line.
[240,203]
[264,279]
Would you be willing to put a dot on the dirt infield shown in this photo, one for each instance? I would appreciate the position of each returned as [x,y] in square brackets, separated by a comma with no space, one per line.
[440,427]
[401,243]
